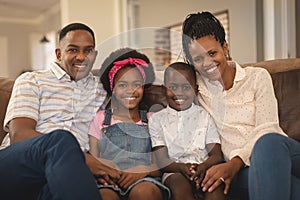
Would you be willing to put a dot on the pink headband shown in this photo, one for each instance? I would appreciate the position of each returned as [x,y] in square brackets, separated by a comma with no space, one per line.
[120,64]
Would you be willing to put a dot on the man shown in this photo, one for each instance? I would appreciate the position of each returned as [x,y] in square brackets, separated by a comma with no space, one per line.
[46,110]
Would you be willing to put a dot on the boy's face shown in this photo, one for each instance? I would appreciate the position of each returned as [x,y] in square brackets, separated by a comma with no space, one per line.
[209,57]
[180,89]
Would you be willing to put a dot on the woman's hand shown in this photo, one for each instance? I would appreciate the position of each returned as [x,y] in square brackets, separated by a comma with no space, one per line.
[221,173]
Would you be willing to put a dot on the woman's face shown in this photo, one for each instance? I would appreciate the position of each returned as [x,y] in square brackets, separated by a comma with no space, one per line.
[209,57]
[128,88]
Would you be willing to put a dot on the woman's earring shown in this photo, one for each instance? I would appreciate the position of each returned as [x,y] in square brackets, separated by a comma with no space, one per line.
[228,57]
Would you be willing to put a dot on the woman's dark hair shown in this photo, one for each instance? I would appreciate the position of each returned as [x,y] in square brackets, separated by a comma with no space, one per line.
[198,25]
[122,54]
[73,27]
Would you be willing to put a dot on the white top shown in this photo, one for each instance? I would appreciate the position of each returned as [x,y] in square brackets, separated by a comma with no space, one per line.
[243,113]
[54,101]
[184,133]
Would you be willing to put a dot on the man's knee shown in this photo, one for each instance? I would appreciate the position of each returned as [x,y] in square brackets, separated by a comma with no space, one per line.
[63,136]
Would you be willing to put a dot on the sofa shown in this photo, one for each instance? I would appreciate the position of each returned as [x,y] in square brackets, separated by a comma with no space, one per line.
[285,74]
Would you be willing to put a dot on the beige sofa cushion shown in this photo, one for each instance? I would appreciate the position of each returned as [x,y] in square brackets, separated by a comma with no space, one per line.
[6,85]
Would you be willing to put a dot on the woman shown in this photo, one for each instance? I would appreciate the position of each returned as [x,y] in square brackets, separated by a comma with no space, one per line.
[244,106]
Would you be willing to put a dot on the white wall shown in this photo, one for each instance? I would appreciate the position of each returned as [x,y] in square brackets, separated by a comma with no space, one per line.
[3,56]
[18,56]
[103,16]
[18,34]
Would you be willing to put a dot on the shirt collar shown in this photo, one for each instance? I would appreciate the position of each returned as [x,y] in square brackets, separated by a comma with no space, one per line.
[239,73]
[63,75]
[183,112]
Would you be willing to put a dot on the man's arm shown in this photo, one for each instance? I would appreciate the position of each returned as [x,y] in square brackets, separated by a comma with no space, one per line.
[22,128]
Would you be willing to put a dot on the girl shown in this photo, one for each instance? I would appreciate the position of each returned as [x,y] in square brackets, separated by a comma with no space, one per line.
[119,134]
[251,113]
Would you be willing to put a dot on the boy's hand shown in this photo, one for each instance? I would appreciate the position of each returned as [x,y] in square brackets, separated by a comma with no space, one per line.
[198,172]
[185,169]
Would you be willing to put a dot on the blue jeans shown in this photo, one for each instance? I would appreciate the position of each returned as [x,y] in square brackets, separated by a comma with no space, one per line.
[275,168]
[239,185]
[50,166]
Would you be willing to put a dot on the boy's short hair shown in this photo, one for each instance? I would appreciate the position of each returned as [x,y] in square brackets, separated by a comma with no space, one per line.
[180,66]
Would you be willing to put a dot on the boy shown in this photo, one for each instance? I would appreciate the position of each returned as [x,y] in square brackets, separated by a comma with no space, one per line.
[184,136]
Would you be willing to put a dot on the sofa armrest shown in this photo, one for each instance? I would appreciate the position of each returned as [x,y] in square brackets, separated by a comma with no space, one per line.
[6,85]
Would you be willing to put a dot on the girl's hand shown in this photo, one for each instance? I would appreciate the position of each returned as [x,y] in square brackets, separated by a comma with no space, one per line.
[109,163]
[128,178]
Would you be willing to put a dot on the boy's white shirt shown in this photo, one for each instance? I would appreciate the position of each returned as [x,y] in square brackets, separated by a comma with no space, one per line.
[184,133]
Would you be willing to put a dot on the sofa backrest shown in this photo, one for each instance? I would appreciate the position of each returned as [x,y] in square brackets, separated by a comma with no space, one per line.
[287,90]
[285,75]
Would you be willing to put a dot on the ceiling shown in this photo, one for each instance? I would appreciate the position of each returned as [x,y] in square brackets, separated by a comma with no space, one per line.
[24,9]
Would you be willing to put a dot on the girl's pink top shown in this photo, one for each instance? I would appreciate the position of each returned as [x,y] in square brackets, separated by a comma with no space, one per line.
[96,124]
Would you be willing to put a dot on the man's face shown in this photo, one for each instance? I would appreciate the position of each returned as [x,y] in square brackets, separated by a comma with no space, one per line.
[76,53]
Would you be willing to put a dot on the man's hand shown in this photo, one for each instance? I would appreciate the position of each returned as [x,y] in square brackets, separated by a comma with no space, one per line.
[104,174]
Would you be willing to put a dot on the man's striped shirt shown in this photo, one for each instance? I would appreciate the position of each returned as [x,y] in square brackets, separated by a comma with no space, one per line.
[54,101]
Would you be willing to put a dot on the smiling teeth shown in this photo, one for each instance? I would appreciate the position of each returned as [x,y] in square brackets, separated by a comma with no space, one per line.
[179,100]
[130,98]
[211,70]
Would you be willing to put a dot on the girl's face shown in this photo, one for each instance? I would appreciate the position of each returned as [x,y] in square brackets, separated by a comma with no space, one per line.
[181,89]
[128,88]
[209,57]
